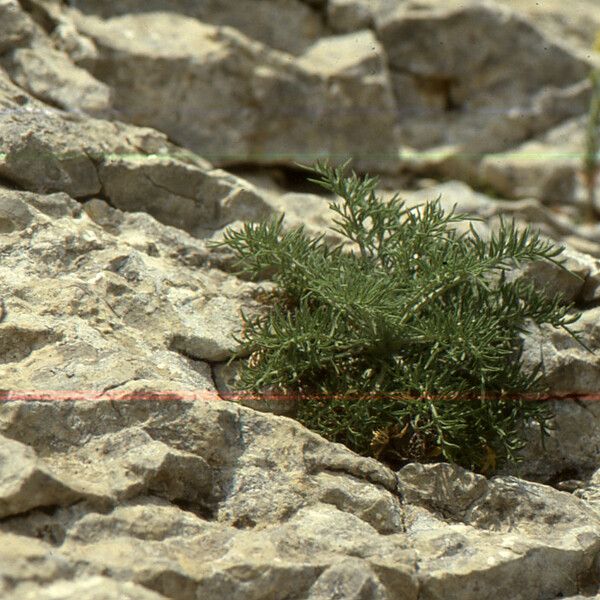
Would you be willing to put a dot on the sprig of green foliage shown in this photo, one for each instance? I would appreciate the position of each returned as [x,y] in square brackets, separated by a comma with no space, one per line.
[407,349]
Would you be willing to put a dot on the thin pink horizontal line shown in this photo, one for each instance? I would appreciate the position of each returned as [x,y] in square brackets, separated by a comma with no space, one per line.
[43,395]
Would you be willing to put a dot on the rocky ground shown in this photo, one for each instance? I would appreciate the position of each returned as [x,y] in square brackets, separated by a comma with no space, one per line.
[131,134]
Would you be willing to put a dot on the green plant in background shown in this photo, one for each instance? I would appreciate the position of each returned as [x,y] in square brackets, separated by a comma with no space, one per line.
[408,348]
[592,148]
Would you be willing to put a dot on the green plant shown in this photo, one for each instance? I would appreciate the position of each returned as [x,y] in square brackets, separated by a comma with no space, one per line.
[592,148]
[406,349]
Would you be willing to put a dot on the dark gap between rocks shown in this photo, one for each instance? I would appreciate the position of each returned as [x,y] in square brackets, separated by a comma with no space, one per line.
[289,178]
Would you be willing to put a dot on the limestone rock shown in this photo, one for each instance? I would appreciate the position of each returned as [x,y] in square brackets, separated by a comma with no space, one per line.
[230,522]
[590,490]
[289,510]
[17,28]
[577,23]
[478,510]
[573,441]
[344,16]
[33,63]
[233,100]
[569,368]
[492,85]
[126,469]
[30,562]
[348,15]
[88,295]
[577,281]
[27,484]
[295,28]
[49,75]
[134,168]
[546,168]
[95,587]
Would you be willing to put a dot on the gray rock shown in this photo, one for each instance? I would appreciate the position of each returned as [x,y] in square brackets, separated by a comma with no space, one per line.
[129,466]
[352,579]
[546,168]
[292,511]
[352,15]
[344,16]
[27,484]
[295,28]
[33,63]
[100,283]
[572,443]
[500,521]
[134,168]
[49,75]
[497,81]
[213,89]
[576,23]
[95,587]
[16,27]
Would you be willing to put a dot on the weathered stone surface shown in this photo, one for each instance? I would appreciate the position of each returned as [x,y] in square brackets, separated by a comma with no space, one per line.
[351,579]
[16,27]
[31,562]
[351,15]
[26,484]
[95,587]
[295,27]
[504,520]
[293,512]
[573,442]
[48,75]
[33,63]
[348,15]
[546,168]
[232,522]
[234,100]
[497,81]
[577,282]
[569,368]
[133,462]
[85,280]
[135,169]
[576,23]
[589,490]
[124,472]
[573,376]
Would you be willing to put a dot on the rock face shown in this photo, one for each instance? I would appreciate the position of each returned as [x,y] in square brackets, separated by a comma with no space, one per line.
[474,75]
[45,71]
[212,90]
[129,469]
[188,499]
[578,23]
[295,27]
